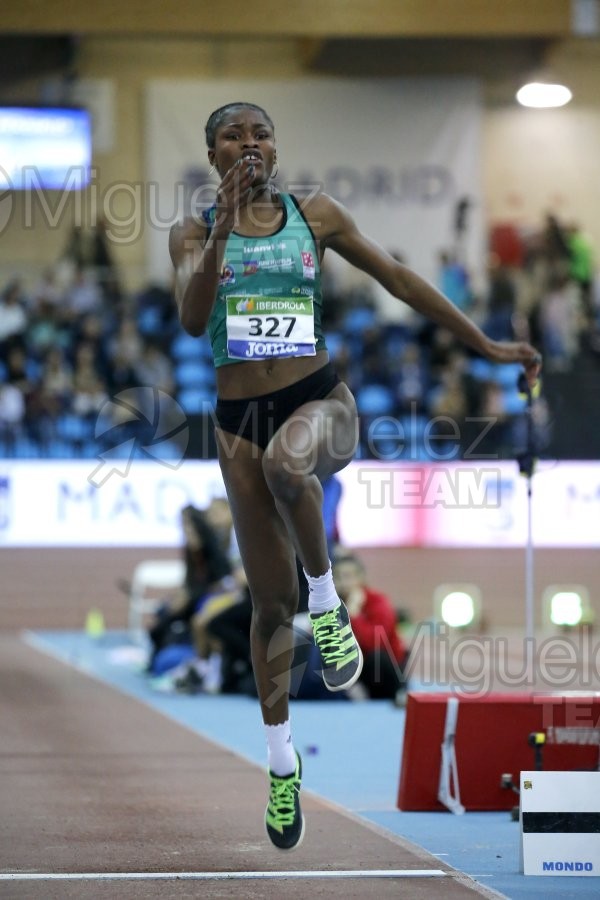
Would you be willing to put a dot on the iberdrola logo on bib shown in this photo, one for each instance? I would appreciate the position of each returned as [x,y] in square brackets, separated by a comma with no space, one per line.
[245,305]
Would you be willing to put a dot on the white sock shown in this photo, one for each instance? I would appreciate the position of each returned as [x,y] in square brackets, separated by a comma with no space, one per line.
[281,754]
[212,674]
[322,596]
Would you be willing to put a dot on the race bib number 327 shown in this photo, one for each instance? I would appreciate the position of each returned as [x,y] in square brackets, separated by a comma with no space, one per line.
[261,327]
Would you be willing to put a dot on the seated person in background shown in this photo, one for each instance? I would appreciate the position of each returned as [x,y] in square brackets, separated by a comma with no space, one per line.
[374,623]
[208,674]
[218,515]
[230,626]
[208,573]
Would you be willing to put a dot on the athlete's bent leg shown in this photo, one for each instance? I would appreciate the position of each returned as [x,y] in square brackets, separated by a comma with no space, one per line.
[317,441]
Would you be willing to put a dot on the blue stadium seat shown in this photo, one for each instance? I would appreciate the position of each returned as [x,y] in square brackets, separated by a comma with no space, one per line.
[481,369]
[70,427]
[58,449]
[508,375]
[375,400]
[184,346]
[385,439]
[167,450]
[150,321]
[196,400]
[335,344]
[33,369]
[25,448]
[360,319]
[90,450]
[194,373]
[513,403]
[414,426]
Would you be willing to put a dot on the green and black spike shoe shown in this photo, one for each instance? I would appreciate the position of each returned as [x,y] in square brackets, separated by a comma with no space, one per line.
[283,817]
[340,654]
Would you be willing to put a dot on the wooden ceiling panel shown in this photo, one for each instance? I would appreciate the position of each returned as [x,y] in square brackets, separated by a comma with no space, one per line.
[303,18]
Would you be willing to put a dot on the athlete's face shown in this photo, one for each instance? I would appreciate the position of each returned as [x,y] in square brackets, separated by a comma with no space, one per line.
[245,136]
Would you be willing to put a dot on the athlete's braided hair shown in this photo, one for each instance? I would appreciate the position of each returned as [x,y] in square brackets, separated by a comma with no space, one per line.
[217,117]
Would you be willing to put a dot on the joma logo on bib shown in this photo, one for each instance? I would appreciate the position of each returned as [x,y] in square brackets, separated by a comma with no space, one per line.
[262,348]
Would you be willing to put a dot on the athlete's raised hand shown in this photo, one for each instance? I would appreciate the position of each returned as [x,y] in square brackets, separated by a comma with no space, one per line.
[232,192]
[518,352]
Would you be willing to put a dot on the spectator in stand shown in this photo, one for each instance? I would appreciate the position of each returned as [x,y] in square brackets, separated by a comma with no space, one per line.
[496,442]
[125,353]
[501,302]
[84,296]
[103,264]
[439,344]
[46,328]
[154,368]
[12,414]
[47,293]
[13,319]
[76,252]
[561,321]
[374,623]
[57,383]
[89,389]
[20,373]
[449,398]
[155,313]
[373,368]
[410,377]
[582,268]
[17,369]
[556,248]
[454,280]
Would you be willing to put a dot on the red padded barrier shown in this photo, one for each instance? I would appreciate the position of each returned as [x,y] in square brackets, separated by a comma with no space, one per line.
[492,734]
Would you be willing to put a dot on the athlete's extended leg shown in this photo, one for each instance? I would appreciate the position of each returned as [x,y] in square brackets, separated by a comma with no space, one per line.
[269,563]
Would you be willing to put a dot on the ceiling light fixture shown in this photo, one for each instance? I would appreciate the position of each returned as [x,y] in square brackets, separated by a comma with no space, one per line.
[542,95]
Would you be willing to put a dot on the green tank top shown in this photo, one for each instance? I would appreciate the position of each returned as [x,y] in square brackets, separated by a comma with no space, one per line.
[269,302]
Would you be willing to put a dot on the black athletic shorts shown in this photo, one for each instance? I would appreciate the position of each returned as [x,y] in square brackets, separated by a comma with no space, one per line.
[258,418]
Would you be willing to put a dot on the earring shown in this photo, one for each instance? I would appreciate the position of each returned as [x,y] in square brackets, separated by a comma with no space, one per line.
[212,170]
[275,170]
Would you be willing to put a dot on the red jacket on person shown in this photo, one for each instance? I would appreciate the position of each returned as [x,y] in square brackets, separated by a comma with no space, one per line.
[374,625]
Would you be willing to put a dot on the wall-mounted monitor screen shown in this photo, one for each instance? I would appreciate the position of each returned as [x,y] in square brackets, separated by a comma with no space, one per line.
[44,148]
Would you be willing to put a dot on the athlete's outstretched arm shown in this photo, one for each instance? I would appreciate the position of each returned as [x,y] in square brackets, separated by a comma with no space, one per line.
[340,233]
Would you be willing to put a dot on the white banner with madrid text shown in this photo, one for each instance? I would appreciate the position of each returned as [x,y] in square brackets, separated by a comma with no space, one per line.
[138,503]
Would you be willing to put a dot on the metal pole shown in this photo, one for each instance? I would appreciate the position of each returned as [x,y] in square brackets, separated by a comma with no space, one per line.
[526,465]
[529,571]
